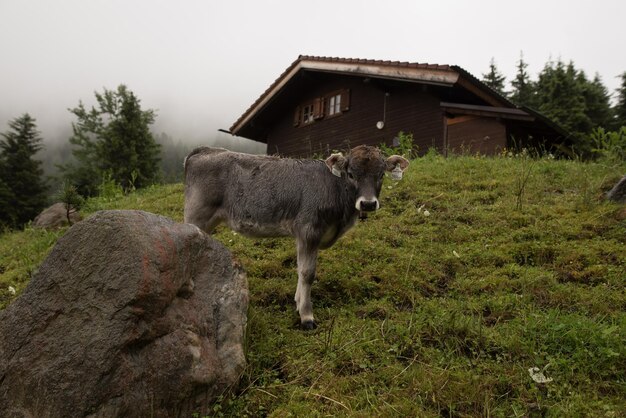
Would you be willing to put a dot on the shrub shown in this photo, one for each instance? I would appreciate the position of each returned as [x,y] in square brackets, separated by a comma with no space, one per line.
[405,146]
[609,145]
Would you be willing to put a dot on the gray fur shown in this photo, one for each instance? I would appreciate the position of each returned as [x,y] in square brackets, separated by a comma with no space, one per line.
[265,196]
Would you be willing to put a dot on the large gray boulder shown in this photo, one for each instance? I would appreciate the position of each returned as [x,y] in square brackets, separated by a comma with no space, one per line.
[130,315]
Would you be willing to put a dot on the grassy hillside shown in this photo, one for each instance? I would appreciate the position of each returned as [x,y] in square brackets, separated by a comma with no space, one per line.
[474,271]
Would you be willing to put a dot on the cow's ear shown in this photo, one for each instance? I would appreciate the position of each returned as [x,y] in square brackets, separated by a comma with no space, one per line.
[336,163]
[396,164]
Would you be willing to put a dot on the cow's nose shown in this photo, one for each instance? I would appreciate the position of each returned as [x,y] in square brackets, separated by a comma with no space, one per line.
[368,205]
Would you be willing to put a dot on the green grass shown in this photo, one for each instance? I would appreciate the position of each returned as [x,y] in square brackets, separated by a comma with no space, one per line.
[438,315]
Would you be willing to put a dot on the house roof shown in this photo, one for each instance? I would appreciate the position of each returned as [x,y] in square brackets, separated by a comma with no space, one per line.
[466,79]
[433,74]
[546,121]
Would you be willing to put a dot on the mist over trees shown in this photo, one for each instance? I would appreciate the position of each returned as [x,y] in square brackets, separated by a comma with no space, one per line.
[172,153]
[22,188]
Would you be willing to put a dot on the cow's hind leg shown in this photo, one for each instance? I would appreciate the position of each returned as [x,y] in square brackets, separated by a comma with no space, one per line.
[307,261]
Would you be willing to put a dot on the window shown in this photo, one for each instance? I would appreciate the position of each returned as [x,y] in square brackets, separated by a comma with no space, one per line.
[337,102]
[333,104]
[307,114]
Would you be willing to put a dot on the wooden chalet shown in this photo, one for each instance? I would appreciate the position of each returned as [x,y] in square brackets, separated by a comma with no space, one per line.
[321,104]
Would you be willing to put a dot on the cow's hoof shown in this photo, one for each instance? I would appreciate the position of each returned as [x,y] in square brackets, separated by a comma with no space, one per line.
[308,325]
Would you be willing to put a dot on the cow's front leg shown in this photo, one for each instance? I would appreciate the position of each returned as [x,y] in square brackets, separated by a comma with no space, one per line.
[307,261]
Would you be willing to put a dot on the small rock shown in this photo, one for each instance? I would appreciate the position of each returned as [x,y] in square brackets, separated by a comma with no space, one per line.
[618,193]
[55,217]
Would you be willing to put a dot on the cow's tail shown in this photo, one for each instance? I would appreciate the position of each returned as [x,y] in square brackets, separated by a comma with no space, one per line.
[203,151]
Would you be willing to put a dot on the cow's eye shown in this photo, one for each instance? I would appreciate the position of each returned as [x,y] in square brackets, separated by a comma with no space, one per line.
[350,176]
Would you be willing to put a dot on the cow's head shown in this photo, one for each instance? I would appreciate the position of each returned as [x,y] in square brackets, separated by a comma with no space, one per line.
[365,168]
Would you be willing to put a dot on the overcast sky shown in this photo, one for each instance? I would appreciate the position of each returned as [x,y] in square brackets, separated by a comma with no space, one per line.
[201,64]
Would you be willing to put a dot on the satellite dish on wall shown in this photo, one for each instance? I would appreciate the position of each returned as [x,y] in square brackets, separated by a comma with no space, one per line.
[380,124]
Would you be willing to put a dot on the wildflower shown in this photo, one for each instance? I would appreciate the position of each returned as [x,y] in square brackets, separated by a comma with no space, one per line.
[426,213]
[12,290]
[537,375]
[456,254]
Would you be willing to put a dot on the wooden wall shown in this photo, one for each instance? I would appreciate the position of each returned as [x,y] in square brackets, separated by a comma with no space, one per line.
[412,109]
[474,134]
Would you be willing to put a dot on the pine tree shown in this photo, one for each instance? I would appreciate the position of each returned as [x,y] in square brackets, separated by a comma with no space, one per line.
[597,101]
[7,212]
[577,104]
[71,199]
[22,176]
[523,88]
[494,78]
[113,141]
[619,110]
[560,97]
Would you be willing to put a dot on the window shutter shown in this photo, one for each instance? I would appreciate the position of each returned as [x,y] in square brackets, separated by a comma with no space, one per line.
[345,100]
[296,117]
[318,108]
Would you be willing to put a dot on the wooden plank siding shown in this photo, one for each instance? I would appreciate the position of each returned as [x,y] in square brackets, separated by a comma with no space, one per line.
[411,109]
[475,134]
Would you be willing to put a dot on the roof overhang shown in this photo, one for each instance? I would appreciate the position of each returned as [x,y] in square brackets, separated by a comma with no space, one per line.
[480,89]
[547,121]
[376,70]
[488,111]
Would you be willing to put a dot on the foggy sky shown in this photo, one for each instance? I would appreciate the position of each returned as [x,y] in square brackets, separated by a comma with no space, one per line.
[201,64]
